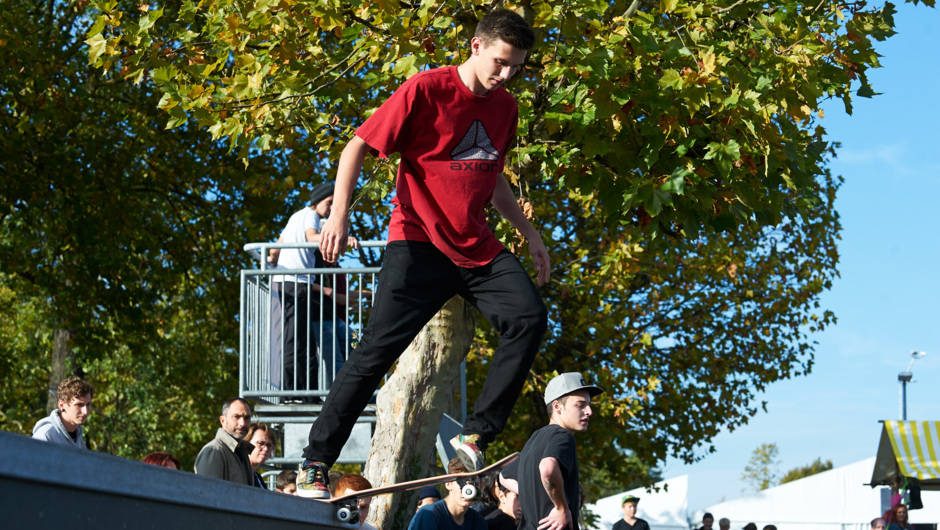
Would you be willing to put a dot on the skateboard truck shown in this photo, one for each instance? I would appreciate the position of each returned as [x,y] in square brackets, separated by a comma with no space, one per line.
[348,512]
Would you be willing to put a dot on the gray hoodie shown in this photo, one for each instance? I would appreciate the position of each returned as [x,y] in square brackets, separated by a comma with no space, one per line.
[51,429]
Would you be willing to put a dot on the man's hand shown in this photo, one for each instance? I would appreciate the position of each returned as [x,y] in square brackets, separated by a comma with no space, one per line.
[505,203]
[556,520]
[333,238]
[353,243]
[540,259]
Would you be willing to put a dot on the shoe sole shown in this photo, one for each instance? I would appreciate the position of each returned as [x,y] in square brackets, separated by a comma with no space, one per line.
[313,494]
[467,457]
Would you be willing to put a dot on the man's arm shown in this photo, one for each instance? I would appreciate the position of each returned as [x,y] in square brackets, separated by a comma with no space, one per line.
[552,480]
[335,232]
[275,253]
[505,203]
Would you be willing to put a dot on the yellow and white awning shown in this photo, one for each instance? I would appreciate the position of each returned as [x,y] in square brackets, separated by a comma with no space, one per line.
[909,449]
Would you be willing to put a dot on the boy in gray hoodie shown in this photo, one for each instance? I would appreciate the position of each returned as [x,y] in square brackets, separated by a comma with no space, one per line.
[64,424]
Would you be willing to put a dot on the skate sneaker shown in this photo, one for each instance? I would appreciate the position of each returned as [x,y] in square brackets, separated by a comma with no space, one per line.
[313,480]
[470,450]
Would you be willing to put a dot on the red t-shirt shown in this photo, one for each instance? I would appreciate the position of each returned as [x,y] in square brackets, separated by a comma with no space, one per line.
[453,145]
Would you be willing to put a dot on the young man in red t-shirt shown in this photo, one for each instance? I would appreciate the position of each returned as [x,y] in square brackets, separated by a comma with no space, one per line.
[452,127]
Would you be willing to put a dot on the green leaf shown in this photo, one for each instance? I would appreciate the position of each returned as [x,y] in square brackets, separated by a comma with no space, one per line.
[671,79]
[96,46]
[676,181]
[405,67]
[177,117]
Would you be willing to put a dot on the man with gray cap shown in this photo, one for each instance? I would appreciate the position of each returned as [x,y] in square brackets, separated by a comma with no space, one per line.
[300,295]
[547,472]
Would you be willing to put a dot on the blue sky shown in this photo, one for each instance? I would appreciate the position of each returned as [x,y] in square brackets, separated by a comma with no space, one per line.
[887,296]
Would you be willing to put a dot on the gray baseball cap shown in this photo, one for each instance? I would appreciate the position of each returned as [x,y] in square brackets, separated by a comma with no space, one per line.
[566,383]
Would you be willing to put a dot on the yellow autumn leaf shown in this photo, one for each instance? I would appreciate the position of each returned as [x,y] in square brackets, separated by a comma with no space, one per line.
[708,64]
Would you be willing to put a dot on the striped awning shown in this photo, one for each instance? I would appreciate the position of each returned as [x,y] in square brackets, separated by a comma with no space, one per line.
[909,449]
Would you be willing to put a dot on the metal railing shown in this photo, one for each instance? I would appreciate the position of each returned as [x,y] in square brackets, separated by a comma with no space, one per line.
[275,300]
[295,333]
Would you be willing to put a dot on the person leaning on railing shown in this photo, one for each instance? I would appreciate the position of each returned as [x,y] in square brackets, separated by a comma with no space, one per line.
[302,227]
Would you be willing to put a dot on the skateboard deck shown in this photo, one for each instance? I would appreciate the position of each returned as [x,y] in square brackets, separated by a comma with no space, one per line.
[348,505]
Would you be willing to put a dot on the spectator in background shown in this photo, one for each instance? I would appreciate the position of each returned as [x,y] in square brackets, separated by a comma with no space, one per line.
[724,524]
[226,457]
[750,526]
[64,424]
[162,460]
[287,482]
[351,483]
[770,527]
[301,302]
[264,440]
[546,472]
[899,518]
[630,521]
[878,524]
[428,495]
[707,521]
[452,513]
[508,510]
[334,478]
[488,500]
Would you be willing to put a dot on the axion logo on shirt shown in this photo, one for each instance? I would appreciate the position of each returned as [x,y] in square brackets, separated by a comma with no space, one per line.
[475,145]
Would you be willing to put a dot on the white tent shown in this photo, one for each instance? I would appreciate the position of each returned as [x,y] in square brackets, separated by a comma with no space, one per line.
[664,509]
[837,499]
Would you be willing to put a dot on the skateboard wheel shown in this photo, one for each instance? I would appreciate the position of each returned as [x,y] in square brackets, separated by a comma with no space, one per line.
[470,492]
[347,515]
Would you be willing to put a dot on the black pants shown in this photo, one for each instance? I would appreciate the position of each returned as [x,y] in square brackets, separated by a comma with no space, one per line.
[415,282]
[298,343]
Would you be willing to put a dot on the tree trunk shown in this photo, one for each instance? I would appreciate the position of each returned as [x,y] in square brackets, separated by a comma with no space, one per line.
[410,406]
[61,359]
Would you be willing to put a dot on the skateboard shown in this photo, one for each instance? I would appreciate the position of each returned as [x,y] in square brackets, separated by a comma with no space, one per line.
[347,506]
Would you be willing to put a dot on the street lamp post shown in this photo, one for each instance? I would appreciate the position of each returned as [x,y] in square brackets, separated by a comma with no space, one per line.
[904,378]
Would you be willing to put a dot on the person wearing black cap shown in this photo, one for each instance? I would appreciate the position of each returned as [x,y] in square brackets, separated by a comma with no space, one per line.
[295,292]
[428,495]
[630,521]
[547,470]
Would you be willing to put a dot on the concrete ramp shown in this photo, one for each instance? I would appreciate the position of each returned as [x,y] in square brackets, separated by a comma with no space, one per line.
[50,486]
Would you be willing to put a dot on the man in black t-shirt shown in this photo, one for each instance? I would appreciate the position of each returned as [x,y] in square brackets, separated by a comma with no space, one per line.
[547,470]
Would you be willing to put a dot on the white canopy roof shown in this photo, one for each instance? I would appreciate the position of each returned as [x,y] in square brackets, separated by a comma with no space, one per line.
[838,499]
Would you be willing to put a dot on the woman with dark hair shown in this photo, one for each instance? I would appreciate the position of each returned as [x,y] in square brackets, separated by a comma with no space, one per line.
[162,460]
[899,518]
[508,510]
[488,500]
[264,439]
